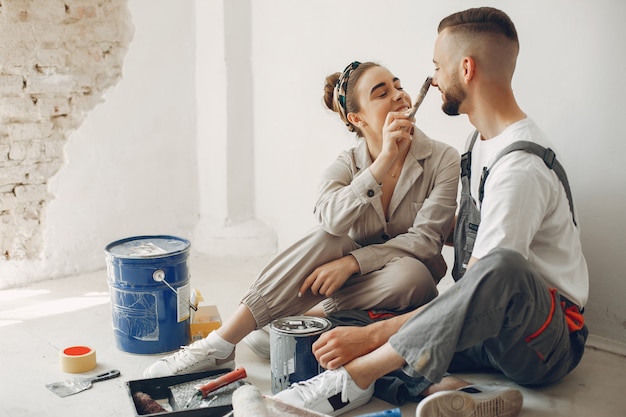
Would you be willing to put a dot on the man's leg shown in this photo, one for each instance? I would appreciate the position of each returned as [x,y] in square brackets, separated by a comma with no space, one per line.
[498,304]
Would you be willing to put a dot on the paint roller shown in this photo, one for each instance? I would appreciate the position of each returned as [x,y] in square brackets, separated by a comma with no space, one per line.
[145,404]
[248,402]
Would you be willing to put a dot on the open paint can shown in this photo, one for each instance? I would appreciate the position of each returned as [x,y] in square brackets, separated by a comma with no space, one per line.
[291,349]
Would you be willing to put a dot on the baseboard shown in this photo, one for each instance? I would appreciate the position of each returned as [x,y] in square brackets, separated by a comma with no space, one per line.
[604,344]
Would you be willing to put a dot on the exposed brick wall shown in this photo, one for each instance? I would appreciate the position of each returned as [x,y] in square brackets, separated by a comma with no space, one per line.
[56,60]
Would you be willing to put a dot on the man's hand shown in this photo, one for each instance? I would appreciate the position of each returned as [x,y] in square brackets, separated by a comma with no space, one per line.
[328,278]
[342,344]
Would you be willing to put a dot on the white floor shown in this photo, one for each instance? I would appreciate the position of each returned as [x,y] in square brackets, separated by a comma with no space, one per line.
[38,321]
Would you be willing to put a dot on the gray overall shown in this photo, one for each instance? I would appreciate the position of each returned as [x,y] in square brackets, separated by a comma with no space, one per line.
[468,218]
[501,316]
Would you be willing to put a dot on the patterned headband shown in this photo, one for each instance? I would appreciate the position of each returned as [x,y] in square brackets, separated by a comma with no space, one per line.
[342,89]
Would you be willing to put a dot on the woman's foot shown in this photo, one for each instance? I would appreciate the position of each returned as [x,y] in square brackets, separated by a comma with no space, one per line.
[196,357]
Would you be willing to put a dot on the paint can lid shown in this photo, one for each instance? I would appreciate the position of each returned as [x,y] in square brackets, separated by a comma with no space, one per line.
[300,325]
[148,246]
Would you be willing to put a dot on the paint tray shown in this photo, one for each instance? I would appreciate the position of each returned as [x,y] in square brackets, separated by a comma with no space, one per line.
[165,391]
[185,395]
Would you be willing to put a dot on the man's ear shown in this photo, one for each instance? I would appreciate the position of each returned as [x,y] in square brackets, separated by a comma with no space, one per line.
[468,66]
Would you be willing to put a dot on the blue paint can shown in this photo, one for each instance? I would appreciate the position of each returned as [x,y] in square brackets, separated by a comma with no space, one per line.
[291,349]
[148,281]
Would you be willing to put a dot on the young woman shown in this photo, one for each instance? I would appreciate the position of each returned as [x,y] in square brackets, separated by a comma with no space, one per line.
[384,209]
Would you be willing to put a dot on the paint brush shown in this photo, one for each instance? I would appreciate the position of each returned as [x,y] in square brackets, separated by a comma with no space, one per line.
[420,96]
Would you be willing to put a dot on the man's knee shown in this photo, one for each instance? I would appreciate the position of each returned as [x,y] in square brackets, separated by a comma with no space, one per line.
[506,258]
[503,267]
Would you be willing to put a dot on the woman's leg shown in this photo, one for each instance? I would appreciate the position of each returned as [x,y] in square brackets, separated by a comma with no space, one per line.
[402,285]
[237,326]
[272,295]
[275,292]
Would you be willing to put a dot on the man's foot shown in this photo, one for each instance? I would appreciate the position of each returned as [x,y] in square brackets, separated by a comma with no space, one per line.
[472,401]
[196,357]
[259,342]
[331,392]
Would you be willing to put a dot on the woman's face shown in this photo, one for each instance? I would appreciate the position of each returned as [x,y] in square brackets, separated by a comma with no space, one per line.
[379,92]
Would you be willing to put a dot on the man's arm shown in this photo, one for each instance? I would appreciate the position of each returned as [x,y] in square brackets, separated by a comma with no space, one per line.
[342,344]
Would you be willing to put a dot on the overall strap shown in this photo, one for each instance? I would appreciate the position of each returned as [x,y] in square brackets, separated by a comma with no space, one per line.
[546,154]
[466,158]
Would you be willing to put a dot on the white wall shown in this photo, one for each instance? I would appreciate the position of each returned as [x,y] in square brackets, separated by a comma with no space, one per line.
[131,168]
[569,79]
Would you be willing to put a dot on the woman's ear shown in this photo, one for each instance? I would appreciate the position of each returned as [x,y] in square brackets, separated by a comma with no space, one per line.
[355,119]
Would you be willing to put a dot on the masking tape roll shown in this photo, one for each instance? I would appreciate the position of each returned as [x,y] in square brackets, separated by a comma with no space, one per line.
[76,359]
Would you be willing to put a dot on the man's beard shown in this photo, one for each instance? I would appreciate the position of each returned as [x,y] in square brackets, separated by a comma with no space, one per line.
[452,99]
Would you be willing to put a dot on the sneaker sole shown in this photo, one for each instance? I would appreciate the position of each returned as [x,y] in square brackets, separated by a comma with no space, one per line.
[506,403]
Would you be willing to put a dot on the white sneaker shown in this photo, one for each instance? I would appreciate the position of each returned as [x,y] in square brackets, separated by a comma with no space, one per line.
[196,357]
[331,392]
[259,342]
[472,401]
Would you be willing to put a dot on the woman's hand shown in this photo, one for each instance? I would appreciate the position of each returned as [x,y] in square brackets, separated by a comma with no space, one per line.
[396,140]
[328,278]
[396,133]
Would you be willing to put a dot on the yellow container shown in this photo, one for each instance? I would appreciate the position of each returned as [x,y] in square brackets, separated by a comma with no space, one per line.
[204,321]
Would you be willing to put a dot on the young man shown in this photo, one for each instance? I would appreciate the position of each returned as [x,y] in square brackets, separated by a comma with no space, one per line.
[522,279]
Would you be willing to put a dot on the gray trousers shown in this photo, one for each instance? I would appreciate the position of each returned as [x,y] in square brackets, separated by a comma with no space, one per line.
[499,317]
[401,285]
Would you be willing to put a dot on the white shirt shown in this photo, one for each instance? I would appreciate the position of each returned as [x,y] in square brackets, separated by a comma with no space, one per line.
[525,208]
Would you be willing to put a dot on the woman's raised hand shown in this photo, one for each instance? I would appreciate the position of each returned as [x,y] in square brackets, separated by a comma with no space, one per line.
[397,132]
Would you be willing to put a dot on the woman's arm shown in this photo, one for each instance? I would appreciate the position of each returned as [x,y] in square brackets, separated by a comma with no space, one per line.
[351,184]
[346,191]
[431,226]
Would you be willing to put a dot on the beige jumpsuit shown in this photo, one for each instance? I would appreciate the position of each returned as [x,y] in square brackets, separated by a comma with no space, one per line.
[399,257]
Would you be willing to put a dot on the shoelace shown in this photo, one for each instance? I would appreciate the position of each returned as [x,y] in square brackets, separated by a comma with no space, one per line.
[187,356]
[324,384]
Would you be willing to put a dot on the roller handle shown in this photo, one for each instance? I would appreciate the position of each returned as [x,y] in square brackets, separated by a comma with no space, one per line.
[394,412]
[223,380]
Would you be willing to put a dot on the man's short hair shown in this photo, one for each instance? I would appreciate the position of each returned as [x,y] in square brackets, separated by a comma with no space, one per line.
[480,20]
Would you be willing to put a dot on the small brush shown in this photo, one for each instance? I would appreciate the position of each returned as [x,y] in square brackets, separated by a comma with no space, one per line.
[420,96]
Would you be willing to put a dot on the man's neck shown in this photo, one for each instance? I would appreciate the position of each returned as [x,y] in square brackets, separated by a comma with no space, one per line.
[494,114]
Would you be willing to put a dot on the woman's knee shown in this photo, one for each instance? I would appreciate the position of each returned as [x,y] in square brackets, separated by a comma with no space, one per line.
[413,281]
[344,244]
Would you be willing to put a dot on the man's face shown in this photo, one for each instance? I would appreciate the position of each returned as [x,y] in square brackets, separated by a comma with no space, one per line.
[453,96]
[447,76]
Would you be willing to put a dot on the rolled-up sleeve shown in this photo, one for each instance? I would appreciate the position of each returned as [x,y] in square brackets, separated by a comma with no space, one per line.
[346,192]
